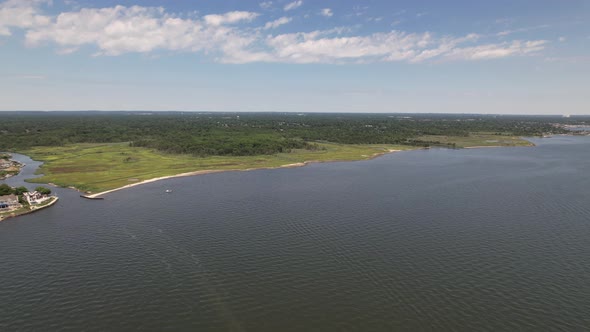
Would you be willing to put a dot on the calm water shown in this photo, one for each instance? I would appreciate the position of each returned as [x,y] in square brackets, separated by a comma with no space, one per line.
[464,240]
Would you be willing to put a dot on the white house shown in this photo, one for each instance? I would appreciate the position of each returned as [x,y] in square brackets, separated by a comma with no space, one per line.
[35,197]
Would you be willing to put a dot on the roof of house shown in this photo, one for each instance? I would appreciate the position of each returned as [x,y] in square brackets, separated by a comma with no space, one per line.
[9,198]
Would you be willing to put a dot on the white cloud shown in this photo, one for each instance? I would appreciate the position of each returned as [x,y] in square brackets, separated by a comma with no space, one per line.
[276,23]
[293,5]
[119,30]
[265,5]
[494,51]
[443,47]
[313,47]
[327,12]
[393,46]
[21,14]
[229,18]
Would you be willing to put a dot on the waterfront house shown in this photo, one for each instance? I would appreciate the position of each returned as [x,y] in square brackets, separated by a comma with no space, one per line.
[9,202]
[35,197]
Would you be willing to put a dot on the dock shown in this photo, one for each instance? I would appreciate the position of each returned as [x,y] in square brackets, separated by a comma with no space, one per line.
[92,198]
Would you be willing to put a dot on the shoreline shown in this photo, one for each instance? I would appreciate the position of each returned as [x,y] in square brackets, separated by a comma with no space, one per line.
[499,146]
[18,165]
[32,209]
[99,195]
[203,172]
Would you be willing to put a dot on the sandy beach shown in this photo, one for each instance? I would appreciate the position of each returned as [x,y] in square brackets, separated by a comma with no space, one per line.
[301,164]
[154,180]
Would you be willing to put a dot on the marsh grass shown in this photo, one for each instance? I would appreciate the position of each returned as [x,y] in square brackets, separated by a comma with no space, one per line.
[99,167]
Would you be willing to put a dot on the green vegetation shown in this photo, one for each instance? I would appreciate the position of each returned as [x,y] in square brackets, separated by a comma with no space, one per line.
[6,189]
[4,173]
[99,167]
[43,190]
[475,139]
[96,151]
[250,134]
[20,190]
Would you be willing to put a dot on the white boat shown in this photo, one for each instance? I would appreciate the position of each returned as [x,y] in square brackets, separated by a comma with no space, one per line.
[168,191]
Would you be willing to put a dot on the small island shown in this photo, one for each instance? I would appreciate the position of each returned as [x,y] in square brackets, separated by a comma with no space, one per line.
[18,201]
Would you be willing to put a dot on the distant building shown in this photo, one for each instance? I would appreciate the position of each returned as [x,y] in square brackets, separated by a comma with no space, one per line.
[9,202]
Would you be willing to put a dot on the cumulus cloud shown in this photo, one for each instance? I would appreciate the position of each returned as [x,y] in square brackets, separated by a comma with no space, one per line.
[117,30]
[276,23]
[227,38]
[293,5]
[327,12]
[21,14]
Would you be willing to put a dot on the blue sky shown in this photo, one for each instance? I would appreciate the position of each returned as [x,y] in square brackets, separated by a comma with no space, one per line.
[501,56]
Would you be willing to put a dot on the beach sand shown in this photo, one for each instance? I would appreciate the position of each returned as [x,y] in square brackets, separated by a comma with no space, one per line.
[301,164]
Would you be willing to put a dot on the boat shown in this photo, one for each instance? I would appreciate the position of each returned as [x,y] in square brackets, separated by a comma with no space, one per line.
[168,191]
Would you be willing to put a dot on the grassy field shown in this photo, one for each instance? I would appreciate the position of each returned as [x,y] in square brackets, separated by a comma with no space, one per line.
[100,167]
[479,139]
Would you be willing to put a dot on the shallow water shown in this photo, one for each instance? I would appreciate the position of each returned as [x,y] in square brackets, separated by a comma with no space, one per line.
[479,239]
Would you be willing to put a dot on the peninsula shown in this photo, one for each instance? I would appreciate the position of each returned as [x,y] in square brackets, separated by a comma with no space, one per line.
[98,152]
[19,201]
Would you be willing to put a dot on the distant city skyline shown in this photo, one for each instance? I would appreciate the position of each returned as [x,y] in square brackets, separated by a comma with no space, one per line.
[495,57]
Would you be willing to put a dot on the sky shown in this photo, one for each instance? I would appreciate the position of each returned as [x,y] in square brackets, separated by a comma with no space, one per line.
[390,56]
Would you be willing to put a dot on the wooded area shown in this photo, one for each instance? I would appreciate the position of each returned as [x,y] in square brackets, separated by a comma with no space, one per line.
[243,134]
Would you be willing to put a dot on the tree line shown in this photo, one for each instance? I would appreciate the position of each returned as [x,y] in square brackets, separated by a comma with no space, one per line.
[244,134]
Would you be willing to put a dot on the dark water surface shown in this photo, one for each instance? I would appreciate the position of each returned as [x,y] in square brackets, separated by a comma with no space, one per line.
[464,240]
